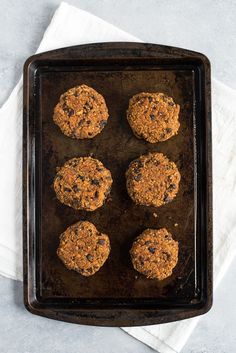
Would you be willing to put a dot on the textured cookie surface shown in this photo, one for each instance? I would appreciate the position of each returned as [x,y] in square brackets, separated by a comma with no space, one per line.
[154,253]
[83,248]
[152,180]
[153,117]
[81,112]
[83,183]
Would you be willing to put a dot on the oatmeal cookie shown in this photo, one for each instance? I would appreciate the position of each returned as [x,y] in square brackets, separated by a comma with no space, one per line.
[153,117]
[154,253]
[152,180]
[83,183]
[81,112]
[83,248]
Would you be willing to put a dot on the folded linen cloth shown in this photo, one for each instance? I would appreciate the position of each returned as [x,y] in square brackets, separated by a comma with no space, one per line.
[72,26]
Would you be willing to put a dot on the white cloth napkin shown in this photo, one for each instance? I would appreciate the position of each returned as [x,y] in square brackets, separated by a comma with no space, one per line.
[71,26]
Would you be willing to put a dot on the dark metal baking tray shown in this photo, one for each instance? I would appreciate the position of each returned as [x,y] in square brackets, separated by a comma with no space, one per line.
[117,295]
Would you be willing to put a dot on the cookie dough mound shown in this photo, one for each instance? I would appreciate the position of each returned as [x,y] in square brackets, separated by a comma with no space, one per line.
[81,112]
[154,253]
[83,183]
[83,248]
[152,180]
[153,117]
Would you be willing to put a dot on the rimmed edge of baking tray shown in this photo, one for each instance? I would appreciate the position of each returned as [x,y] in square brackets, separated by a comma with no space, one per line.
[122,314]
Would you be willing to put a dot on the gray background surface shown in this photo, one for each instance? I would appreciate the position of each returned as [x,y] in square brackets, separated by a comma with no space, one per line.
[205,26]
